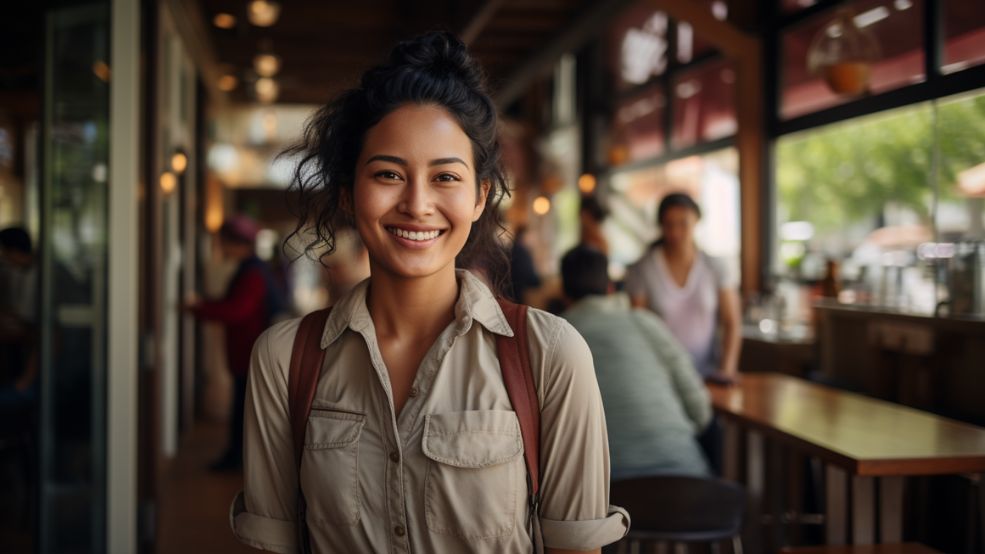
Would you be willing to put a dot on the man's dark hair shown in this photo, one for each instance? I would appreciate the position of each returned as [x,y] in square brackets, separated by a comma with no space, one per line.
[584,272]
[591,206]
[17,239]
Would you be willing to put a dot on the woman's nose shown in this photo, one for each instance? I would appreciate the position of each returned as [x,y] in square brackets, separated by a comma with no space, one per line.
[417,201]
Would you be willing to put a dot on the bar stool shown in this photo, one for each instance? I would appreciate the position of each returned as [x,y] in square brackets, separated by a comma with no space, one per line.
[681,510]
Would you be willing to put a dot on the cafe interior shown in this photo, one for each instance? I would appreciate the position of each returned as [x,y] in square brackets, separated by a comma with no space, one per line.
[836,149]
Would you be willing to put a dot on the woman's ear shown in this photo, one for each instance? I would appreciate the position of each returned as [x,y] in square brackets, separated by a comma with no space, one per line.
[480,202]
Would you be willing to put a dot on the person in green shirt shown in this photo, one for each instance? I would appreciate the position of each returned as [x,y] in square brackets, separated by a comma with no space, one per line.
[654,401]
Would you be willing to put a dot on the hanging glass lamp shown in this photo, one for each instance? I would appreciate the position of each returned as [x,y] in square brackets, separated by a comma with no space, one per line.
[842,53]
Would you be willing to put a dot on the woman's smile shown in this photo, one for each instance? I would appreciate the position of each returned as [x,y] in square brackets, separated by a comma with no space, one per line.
[411,237]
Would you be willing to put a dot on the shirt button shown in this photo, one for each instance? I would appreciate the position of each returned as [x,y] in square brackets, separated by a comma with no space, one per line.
[399,531]
[413,392]
[395,456]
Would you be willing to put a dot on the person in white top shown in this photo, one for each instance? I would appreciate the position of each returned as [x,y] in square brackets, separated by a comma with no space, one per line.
[690,290]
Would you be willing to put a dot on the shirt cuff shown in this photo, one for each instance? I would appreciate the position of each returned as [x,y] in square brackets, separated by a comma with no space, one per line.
[587,534]
[265,533]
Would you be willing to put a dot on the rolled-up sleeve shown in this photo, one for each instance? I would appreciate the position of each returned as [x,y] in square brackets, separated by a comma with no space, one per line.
[574,451]
[263,515]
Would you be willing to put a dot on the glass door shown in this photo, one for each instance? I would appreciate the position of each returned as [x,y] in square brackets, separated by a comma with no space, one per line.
[75,145]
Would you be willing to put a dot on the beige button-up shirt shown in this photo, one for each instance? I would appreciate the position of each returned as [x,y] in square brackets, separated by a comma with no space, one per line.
[447,474]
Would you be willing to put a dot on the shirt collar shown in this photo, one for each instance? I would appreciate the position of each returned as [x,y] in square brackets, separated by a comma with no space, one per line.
[615,302]
[475,303]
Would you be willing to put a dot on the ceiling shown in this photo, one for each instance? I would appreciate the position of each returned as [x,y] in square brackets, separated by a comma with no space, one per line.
[326,45]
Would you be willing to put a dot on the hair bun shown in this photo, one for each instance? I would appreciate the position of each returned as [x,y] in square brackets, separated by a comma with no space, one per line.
[438,53]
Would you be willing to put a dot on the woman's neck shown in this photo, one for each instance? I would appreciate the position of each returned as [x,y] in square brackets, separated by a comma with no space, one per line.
[683,253]
[408,307]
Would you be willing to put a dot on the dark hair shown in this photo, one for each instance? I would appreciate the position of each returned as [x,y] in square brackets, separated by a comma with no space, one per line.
[584,271]
[16,239]
[591,206]
[435,69]
[677,200]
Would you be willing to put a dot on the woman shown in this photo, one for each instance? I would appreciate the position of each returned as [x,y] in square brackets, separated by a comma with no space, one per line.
[412,445]
[690,290]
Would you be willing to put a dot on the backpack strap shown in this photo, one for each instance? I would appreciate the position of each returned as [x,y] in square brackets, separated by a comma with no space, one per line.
[514,362]
[307,358]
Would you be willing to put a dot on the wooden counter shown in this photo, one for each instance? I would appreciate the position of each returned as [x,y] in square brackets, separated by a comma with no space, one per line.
[931,363]
[862,441]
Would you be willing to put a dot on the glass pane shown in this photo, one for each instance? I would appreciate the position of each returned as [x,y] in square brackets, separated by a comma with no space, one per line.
[73,315]
[964,34]
[791,6]
[704,104]
[636,46]
[712,179]
[637,131]
[961,204]
[860,193]
[896,25]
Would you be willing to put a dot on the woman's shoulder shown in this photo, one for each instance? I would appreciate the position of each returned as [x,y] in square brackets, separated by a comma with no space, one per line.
[272,351]
[557,351]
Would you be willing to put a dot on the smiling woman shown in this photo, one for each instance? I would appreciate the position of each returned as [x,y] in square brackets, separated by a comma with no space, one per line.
[413,441]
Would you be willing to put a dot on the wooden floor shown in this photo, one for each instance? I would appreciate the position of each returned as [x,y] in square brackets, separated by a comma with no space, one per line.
[195,502]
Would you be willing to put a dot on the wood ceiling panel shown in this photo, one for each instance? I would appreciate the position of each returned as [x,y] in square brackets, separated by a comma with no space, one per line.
[326,45]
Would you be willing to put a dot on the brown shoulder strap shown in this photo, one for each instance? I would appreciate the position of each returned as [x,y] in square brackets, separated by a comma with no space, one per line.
[306,361]
[514,362]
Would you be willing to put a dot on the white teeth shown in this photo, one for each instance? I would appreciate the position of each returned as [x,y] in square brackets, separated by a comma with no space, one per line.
[414,235]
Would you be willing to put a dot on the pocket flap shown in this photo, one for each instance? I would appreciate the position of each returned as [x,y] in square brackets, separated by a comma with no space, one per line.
[474,439]
[331,428]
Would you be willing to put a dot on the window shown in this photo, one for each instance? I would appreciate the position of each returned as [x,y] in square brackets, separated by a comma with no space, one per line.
[964,35]
[711,179]
[863,192]
[704,104]
[637,46]
[637,130]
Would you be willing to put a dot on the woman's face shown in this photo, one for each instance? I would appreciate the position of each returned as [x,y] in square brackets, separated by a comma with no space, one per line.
[415,196]
[677,226]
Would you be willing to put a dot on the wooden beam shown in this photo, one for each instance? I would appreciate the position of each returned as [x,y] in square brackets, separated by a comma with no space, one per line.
[586,27]
[191,26]
[479,21]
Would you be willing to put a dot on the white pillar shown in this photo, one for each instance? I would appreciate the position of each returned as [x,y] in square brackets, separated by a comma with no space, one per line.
[123,290]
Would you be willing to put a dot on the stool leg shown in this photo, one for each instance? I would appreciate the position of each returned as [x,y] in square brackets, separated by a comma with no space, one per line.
[737,545]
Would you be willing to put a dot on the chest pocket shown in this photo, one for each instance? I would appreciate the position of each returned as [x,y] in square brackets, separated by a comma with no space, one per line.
[330,466]
[475,485]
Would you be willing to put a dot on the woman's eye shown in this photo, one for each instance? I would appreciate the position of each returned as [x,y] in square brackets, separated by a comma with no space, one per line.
[447,178]
[387,175]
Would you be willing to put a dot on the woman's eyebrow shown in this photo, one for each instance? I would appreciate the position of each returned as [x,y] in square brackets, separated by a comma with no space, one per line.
[400,161]
[385,158]
[446,161]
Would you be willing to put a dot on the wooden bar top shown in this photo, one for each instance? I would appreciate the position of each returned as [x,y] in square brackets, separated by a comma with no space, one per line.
[863,435]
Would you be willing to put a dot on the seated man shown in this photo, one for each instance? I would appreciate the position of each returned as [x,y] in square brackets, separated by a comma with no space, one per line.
[655,403]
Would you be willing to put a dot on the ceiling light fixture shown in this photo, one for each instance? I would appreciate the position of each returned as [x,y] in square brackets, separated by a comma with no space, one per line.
[227,83]
[267,90]
[224,20]
[266,65]
[263,13]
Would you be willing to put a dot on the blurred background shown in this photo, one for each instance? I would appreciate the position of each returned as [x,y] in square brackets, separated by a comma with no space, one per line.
[837,149]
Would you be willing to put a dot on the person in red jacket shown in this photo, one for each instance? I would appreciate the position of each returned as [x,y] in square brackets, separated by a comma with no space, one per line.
[245,311]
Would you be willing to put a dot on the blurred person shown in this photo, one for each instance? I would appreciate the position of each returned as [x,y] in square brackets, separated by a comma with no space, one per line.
[655,402]
[346,266]
[592,215]
[411,444]
[250,303]
[18,321]
[523,273]
[691,291]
